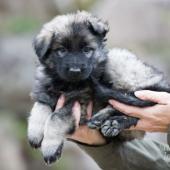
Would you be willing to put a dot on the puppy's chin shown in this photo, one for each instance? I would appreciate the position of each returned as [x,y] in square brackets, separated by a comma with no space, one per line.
[75,78]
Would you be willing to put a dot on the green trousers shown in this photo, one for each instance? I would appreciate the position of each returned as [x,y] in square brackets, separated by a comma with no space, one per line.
[137,154]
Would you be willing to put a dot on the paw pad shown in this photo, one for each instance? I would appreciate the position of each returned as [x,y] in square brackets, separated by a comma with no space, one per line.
[110,128]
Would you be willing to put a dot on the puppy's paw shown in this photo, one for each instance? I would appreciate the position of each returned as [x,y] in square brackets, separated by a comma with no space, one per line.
[94,123]
[35,136]
[110,128]
[115,124]
[35,142]
[99,118]
[51,152]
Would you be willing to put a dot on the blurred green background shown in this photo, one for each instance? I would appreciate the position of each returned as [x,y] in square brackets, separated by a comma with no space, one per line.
[142,26]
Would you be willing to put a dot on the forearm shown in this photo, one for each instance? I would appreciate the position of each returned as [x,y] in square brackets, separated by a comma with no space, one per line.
[105,156]
[136,154]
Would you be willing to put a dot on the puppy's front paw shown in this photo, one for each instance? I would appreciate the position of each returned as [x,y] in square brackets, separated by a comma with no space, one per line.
[35,142]
[94,124]
[36,123]
[51,151]
[35,135]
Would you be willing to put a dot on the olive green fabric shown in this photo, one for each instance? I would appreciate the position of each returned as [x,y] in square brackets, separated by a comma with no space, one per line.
[168,136]
[132,155]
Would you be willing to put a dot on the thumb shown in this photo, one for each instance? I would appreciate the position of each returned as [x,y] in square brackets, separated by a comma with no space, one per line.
[153,96]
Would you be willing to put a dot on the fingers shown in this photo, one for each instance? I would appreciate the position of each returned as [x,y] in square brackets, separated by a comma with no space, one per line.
[157,97]
[83,133]
[77,112]
[147,126]
[60,102]
[89,110]
[76,108]
[128,110]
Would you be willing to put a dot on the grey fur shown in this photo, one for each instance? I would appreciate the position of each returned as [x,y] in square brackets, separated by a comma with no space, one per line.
[128,72]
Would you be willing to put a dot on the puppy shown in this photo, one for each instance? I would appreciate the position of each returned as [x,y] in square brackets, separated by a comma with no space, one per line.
[73,61]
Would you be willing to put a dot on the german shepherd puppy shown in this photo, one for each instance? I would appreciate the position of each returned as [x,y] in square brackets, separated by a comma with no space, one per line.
[74,61]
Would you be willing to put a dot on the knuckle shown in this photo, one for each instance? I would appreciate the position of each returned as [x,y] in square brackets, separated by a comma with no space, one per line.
[136,112]
[166,94]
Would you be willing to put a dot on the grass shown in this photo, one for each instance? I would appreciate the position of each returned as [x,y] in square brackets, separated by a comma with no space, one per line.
[18,25]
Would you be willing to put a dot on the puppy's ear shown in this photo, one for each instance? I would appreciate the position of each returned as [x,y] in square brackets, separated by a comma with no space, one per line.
[98,27]
[42,43]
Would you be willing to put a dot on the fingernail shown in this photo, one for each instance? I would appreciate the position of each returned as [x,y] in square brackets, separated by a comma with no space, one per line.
[61,97]
[76,104]
[111,101]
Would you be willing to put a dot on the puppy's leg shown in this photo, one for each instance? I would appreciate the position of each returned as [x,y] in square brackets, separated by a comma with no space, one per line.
[104,93]
[57,126]
[36,123]
[115,124]
[99,118]
[111,122]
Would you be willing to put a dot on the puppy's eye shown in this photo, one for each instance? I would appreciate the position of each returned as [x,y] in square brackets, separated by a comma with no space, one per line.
[61,51]
[88,51]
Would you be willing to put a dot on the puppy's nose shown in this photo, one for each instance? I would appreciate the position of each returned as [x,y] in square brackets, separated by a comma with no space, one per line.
[75,70]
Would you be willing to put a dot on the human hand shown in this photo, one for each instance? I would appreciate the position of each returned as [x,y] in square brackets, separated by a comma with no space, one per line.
[83,134]
[152,119]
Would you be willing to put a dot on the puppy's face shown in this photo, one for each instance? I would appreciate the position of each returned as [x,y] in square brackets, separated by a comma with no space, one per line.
[71,49]
[72,55]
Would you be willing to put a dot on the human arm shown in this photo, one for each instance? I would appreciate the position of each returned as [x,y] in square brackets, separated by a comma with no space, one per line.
[117,155]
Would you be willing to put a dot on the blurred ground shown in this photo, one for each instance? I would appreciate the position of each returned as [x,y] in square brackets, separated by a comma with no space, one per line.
[142,26]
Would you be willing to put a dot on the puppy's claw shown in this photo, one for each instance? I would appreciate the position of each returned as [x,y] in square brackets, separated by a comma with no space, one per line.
[35,145]
[35,136]
[50,160]
[35,142]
